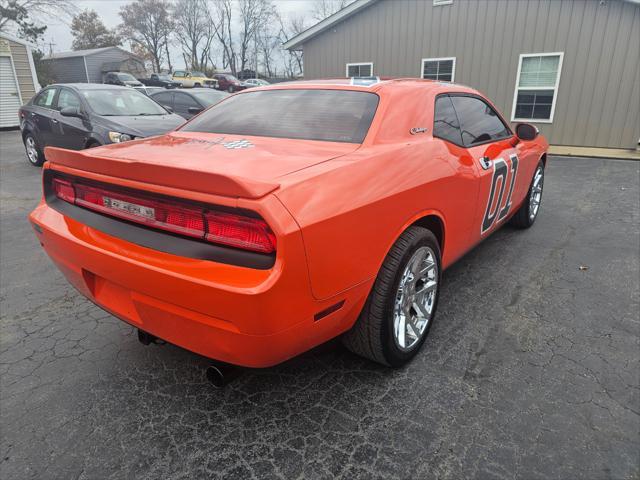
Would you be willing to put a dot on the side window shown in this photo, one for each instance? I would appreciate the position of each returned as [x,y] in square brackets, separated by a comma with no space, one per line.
[184,101]
[445,121]
[478,121]
[178,73]
[45,98]
[164,99]
[67,99]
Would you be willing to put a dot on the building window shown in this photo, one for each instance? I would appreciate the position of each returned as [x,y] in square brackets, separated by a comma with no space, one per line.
[443,69]
[536,89]
[359,69]
[437,3]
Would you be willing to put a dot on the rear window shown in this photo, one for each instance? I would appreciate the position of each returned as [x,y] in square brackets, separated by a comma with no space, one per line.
[209,96]
[327,115]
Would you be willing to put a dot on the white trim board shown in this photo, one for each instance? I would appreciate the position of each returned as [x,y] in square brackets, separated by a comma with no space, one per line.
[453,68]
[555,87]
[359,64]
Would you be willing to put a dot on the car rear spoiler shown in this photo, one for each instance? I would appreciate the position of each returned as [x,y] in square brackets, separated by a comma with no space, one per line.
[160,174]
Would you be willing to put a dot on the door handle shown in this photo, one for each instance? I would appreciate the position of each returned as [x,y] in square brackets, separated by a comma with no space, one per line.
[54,120]
[486,163]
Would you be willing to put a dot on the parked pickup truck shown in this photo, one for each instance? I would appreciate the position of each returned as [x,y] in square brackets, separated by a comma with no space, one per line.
[159,80]
[194,79]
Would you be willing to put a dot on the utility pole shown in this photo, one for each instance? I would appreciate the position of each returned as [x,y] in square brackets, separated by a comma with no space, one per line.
[51,45]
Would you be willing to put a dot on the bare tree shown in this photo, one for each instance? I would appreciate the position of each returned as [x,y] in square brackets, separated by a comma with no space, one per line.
[167,42]
[268,45]
[254,18]
[325,8]
[29,17]
[193,32]
[148,25]
[289,28]
[221,21]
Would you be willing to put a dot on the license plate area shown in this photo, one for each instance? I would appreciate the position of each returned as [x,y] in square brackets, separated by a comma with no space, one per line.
[128,207]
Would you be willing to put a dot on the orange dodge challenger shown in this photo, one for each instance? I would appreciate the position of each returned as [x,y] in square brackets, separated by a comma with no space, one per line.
[287,215]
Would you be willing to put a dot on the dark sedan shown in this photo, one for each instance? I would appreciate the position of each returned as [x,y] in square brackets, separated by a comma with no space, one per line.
[86,115]
[160,80]
[188,103]
[121,78]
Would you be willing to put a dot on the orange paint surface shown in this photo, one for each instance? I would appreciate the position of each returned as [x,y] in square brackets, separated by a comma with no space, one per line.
[335,208]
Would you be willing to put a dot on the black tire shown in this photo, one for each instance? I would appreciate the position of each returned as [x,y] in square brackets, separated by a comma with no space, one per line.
[230,89]
[372,336]
[524,217]
[196,85]
[35,157]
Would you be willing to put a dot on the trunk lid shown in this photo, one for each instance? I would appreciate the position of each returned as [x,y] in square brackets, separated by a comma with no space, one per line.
[228,165]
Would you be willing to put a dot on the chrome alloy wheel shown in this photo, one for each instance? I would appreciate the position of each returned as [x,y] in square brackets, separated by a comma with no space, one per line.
[415,299]
[536,193]
[32,150]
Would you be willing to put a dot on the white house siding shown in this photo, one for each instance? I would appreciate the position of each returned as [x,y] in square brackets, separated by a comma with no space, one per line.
[23,70]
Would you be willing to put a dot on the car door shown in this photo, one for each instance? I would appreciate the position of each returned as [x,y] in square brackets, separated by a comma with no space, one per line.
[462,186]
[69,132]
[222,82]
[491,145]
[182,102]
[179,76]
[42,114]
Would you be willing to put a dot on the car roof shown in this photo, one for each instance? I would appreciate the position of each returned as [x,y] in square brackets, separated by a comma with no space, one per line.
[377,85]
[201,89]
[189,91]
[89,86]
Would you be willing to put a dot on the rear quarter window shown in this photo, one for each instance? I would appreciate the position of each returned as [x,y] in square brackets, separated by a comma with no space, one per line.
[445,121]
[326,115]
[45,98]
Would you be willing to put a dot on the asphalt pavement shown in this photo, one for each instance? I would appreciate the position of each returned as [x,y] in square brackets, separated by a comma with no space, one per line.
[531,369]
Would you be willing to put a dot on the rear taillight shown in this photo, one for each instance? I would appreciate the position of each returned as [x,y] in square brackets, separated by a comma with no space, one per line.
[64,190]
[239,231]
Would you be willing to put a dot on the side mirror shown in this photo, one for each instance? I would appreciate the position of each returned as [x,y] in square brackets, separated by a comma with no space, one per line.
[167,108]
[526,131]
[71,112]
[195,110]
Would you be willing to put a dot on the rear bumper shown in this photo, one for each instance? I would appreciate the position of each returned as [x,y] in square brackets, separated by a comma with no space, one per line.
[243,316]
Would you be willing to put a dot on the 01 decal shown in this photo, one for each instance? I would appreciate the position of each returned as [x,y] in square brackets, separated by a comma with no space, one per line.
[500,172]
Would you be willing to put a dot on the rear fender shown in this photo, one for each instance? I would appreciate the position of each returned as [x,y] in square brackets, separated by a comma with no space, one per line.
[415,220]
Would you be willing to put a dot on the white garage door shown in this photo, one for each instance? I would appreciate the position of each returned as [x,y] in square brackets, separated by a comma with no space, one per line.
[9,97]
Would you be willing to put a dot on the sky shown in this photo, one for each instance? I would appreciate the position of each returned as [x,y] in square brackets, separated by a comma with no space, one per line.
[58,33]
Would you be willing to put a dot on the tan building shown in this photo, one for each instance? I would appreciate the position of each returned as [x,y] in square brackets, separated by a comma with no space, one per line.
[572,67]
[18,79]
